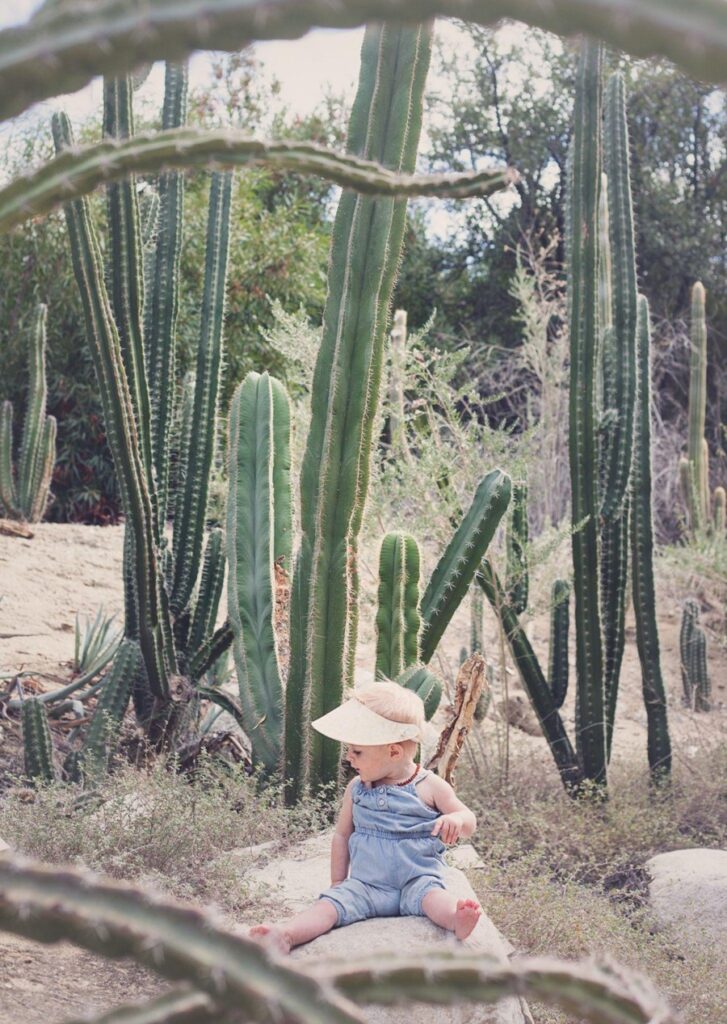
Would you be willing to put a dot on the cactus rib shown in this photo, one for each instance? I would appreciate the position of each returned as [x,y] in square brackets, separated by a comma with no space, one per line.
[558,654]
[69,45]
[516,540]
[425,684]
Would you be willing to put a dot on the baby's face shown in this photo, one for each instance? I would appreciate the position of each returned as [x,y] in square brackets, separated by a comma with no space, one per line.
[373,763]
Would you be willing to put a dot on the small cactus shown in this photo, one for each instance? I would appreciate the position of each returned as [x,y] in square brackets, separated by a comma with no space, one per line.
[397,619]
[559,623]
[24,494]
[693,656]
[37,742]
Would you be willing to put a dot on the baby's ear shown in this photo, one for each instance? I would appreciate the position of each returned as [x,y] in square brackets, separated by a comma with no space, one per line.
[396,751]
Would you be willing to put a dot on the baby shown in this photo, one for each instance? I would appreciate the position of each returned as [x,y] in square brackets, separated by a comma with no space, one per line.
[395,821]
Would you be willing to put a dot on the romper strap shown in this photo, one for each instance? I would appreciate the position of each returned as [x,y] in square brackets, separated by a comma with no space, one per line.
[422,774]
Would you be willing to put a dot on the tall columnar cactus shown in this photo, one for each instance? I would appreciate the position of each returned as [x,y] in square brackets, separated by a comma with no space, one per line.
[698,490]
[24,495]
[259,525]
[397,419]
[559,629]
[367,237]
[516,540]
[642,559]
[37,742]
[583,320]
[397,618]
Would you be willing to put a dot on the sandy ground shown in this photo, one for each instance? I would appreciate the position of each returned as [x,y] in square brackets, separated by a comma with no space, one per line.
[66,570]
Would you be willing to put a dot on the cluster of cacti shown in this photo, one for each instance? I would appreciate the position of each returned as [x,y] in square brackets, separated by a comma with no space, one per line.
[705,516]
[219,972]
[24,493]
[610,456]
[693,656]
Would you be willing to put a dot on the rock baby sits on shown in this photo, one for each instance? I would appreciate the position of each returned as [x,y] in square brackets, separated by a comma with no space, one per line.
[395,822]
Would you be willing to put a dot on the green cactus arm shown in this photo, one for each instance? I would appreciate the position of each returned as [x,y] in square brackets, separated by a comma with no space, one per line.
[103,731]
[642,559]
[43,470]
[558,651]
[210,651]
[690,617]
[71,44]
[365,248]
[161,302]
[125,261]
[624,297]
[585,180]
[283,499]
[210,591]
[103,340]
[397,618]
[251,502]
[425,684]
[8,490]
[37,742]
[700,677]
[180,1006]
[613,585]
[516,541]
[176,942]
[720,509]
[535,683]
[190,509]
[33,424]
[77,173]
[461,560]
[698,406]
[601,995]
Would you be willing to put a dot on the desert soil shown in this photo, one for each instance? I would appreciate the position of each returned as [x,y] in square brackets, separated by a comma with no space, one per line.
[69,569]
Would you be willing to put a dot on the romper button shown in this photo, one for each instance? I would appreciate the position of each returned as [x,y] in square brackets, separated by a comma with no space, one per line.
[381,801]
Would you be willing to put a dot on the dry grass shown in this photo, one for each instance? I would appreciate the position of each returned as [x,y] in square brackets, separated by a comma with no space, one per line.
[568,878]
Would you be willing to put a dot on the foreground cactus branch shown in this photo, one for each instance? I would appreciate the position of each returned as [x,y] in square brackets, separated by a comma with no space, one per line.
[69,45]
[237,980]
[78,172]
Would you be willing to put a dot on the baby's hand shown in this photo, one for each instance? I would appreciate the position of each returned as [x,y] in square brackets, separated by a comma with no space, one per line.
[449,827]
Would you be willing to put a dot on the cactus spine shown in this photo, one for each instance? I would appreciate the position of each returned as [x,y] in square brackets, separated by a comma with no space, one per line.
[258,534]
[37,741]
[583,319]
[26,496]
[642,548]
[397,620]
[367,237]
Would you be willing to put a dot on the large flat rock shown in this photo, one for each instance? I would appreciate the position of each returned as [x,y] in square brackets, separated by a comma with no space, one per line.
[688,892]
[299,878]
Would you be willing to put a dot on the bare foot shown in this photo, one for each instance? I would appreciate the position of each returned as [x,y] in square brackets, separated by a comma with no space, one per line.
[274,937]
[466,917]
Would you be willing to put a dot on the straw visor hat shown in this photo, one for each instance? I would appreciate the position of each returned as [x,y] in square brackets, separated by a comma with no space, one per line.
[353,722]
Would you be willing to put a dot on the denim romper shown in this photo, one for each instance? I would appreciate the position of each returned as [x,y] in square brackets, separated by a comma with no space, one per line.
[395,860]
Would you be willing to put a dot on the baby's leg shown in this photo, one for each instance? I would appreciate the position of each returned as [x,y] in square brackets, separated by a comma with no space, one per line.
[458,916]
[304,927]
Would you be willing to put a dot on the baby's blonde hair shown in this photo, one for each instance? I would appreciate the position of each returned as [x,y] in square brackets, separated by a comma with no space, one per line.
[395,702]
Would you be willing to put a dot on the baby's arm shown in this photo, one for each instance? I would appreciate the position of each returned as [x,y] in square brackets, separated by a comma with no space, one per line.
[339,846]
[457,819]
